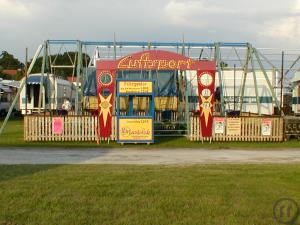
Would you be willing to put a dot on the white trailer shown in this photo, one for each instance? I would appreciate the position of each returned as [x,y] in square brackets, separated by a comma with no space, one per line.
[230,90]
[8,89]
[54,92]
[296,93]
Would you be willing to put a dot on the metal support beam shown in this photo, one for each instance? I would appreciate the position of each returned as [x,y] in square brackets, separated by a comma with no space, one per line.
[293,64]
[255,84]
[281,83]
[115,90]
[115,47]
[48,89]
[219,69]
[63,66]
[239,58]
[22,85]
[268,61]
[42,78]
[78,93]
[187,104]
[245,76]
[267,79]
[26,68]
[186,89]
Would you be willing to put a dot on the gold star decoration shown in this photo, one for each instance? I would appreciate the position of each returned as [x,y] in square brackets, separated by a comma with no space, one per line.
[206,108]
[105,107]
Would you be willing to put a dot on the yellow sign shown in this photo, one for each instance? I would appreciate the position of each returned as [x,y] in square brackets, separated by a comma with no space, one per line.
[233,126]
[135,129]
[126,87]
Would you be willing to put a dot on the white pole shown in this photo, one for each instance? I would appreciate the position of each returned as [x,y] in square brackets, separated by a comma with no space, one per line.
[20,89]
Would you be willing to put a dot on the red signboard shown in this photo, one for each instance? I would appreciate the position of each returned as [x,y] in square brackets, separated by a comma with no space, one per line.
[105,91]
[206,86]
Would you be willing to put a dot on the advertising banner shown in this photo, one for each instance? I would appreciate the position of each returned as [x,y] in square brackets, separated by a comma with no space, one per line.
[266,127]
[105,92]
[233,126]
[135,129]
[219,124]
[57,125]
[206,86]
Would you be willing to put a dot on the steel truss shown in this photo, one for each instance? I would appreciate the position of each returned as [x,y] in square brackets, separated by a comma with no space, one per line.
[243,56]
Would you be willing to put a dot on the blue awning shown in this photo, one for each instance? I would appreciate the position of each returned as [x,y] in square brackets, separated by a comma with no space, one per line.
[35,80]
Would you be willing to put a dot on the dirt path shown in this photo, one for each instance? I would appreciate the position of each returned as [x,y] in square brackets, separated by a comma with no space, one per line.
[142,156]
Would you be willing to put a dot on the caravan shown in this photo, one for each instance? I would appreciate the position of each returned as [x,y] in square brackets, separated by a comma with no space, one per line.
[54,93]
[8,90]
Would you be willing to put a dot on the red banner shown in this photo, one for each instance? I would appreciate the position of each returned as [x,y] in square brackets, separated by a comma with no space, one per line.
[156,60]
[206,86]
[105,91]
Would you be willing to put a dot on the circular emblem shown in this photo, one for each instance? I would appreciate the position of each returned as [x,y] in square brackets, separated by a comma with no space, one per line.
[206,92]
[105,79]
[206,79]
[104,105]
[285,211]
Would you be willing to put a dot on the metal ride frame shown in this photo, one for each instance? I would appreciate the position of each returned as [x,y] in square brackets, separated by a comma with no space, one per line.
[203,51]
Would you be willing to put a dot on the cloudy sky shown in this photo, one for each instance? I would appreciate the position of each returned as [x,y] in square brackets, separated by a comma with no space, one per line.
[265,23]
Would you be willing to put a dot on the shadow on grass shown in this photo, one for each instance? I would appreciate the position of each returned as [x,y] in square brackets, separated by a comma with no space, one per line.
[168,139]
[8,172]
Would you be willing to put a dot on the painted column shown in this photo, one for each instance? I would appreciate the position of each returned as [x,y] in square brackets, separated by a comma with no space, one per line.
[105,92]
[206,88]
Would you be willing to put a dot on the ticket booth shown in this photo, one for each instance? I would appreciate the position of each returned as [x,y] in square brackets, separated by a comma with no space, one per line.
[133,127]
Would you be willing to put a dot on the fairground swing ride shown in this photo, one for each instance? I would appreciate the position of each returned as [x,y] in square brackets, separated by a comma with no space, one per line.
[243,80]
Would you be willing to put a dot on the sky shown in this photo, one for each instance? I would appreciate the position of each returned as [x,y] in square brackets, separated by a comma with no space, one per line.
[264,23]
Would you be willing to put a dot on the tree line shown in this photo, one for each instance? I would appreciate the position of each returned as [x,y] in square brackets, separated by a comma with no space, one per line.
[10,62]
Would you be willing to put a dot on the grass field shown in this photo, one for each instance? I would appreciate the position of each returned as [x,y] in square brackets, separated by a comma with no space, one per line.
[13,137]
[119,194]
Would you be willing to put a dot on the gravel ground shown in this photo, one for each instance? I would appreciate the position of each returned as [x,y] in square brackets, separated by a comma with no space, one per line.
[142,156]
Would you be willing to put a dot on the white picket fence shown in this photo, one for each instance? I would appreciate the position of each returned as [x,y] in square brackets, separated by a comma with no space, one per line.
[84,128]
[74,128]
[250,130]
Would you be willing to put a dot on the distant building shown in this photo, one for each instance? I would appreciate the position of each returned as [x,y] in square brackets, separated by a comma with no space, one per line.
[8,90]
[296,93]
[10,72]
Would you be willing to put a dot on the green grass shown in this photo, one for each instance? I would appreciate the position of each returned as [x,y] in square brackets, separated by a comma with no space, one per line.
[119,194]
[13,137]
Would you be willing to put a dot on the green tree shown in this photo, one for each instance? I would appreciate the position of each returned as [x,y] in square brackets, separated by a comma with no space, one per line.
[61,59]
[8,62]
